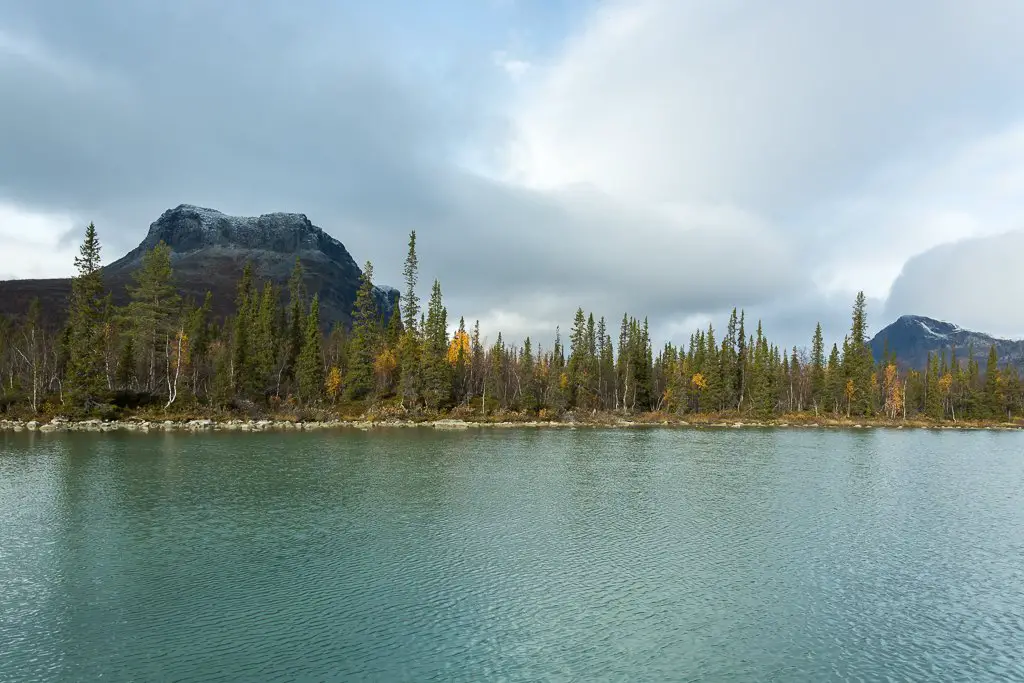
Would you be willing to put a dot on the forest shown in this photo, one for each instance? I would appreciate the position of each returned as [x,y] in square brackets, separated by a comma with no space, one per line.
[163,355]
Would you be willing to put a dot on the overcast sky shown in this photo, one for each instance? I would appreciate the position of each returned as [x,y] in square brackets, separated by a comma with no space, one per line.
[673,158]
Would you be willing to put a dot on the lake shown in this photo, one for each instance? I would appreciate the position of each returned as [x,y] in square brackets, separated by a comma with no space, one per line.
[518,555]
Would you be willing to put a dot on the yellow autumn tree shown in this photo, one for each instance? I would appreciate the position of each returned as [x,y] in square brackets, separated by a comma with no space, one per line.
[459,343]
[945,387]
[181,353]
[699,383]
[893,391]
[332,383]
[384,367]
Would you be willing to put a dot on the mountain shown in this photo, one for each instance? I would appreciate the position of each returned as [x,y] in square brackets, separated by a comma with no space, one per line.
[912,337]
[208,252]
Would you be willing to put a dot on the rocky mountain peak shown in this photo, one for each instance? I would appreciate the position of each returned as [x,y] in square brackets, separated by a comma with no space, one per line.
[913,337]
[187,228]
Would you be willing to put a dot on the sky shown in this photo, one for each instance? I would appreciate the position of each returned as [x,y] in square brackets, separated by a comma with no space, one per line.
[670,158]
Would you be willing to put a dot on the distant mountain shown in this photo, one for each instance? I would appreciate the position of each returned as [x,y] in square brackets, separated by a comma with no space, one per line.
[912,337]
[209,250]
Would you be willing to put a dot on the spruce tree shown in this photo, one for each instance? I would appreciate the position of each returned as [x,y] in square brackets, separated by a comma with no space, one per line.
[362,348]
[409,346]
[296,320]
[993,399]
[85,377]
[933,395]
[265,339]
[577,367]
[310,369]
[762,379]
[817,368]
[126,365]
[241,366]
[153,303]
[527,378]
[742,362]
[437,372]
[834,381]
[858,361]
[607,367]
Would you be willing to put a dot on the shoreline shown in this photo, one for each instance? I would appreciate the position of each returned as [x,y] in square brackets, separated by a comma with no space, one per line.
[141,425]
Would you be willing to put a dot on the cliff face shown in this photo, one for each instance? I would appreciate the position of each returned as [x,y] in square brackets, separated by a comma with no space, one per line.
[208,252]
[913,337]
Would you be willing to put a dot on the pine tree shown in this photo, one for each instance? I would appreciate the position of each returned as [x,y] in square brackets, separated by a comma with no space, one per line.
[365,337]
[310,368]
[85,376]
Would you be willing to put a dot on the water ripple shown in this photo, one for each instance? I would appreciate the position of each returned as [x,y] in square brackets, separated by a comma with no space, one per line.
[520,555]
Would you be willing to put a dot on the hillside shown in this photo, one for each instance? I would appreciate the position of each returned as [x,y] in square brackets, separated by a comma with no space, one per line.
[209,250]
[913,337]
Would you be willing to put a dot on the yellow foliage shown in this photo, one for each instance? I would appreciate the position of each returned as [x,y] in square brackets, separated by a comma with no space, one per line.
[893,391]
[333,382]
[385,362]
[563,381]
[668,398]
[891,375]
[946,383]
[180,350]
[699,382]
[460,343]
[850,390]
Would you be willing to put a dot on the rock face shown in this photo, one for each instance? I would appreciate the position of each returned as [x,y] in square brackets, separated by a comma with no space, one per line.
[209,249]
[912,337]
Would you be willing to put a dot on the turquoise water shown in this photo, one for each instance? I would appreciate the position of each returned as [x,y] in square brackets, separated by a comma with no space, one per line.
[523,555]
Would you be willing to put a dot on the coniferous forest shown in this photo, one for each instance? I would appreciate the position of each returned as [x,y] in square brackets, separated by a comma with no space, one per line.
[162,355]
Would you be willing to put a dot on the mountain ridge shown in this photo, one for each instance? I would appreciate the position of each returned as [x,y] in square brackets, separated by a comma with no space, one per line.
[209,250]
[913,337]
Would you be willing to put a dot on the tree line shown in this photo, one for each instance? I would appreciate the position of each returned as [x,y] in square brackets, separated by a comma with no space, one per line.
[272,354]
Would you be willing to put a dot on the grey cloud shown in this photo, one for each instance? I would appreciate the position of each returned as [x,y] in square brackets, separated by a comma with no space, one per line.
[127,108]
[975,283]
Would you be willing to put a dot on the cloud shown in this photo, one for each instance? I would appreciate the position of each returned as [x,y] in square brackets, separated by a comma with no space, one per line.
[672,159]
[515,68]
[860,135]
[35,243]
[976,283]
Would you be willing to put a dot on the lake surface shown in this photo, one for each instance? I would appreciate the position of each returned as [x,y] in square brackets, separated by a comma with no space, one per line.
[522,555]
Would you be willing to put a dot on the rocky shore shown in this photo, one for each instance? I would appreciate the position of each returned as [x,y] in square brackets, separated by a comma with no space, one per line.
[208,425]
